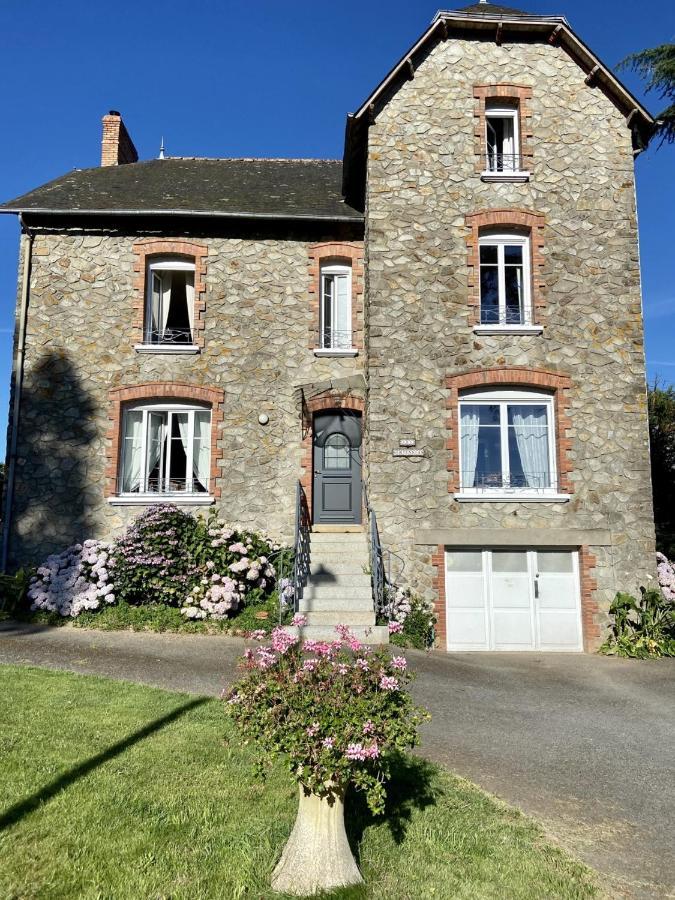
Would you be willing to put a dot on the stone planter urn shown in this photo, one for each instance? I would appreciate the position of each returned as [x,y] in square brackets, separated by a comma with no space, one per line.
[317,856]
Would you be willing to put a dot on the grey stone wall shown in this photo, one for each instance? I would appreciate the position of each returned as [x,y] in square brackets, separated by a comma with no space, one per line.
[80,343]
[421,183]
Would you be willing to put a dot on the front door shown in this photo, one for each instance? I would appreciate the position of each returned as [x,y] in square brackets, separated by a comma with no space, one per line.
[337,468]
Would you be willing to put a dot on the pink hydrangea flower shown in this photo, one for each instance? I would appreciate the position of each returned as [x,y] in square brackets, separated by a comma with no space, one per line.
[299,619]
[388,683]
[395,628]
[399,662]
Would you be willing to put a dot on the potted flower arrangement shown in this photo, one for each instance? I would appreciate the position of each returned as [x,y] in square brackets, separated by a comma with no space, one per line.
[338,711]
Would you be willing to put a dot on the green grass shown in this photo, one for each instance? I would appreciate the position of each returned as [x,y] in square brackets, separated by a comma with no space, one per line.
[160,617]
[103,796]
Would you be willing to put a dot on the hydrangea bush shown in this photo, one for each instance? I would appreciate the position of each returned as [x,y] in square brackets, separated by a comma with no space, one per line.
[75,580]
[666,575]
[205,568]
[411,619]
[337,710]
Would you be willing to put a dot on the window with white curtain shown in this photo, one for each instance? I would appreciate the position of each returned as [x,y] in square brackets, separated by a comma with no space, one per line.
[166,449]
[169,315]
[502,139]
[336,307]
[505,297]
[507,443]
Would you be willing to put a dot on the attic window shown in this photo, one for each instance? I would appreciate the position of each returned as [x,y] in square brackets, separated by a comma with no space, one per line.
[170,302]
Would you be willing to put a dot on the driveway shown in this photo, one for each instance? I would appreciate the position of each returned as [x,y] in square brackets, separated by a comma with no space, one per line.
[584,744]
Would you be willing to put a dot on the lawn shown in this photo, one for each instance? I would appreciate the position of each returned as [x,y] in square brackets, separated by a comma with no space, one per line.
[112,790]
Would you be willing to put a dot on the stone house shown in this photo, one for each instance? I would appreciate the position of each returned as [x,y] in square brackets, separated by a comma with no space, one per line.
[450,315]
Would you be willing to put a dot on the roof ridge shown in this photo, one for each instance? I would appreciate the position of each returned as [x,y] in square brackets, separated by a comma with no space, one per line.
[304,159]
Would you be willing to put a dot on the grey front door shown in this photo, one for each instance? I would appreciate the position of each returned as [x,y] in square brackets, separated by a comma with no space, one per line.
[337,468]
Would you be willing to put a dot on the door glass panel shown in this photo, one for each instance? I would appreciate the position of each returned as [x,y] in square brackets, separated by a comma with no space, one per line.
[179,445]
[336,452]
[489,285]
[481,446]
[528,446]
[554,561]
[509,561]
[465,561]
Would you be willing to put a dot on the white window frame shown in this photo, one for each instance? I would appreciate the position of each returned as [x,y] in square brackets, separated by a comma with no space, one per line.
[504,398]
[163,264]
[145,497]
[501,239]
[506,173]
[337,346]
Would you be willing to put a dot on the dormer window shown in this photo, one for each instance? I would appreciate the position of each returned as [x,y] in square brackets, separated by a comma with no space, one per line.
[502,139]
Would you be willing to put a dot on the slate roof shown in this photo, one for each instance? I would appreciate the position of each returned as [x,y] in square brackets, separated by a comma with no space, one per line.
[240,188]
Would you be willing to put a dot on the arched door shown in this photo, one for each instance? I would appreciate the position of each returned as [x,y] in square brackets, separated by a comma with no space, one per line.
[337,468]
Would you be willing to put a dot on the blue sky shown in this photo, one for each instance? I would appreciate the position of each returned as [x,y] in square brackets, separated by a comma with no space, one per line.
[263,78]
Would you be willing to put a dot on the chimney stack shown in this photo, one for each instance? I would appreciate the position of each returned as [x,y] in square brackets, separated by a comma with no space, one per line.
[117,148]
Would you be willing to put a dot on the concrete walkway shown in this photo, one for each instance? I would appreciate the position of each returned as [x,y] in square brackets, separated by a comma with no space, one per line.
[584,744]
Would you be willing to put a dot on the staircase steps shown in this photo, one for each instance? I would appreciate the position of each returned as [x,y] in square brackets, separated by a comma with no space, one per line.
[338,590]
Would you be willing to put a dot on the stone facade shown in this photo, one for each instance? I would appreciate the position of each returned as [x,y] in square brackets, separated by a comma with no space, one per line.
[80,346]
[422,185]
[414,311]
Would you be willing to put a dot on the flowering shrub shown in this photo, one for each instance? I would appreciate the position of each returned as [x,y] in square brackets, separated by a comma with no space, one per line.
[666,575]
[74,580]
[337,709]
[411,619]
[166,557]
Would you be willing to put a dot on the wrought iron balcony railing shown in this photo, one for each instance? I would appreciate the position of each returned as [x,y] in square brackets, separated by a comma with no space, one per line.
[496,482]
[169,336]
[507,316]
[336,340]
[159,485]
[504,162]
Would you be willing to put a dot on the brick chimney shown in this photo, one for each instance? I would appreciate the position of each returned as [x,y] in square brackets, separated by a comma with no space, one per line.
[117,148]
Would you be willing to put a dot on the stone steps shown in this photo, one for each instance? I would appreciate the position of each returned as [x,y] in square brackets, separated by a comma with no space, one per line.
[338,590]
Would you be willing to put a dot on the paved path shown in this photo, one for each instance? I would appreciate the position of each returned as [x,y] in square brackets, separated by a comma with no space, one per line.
[582,743]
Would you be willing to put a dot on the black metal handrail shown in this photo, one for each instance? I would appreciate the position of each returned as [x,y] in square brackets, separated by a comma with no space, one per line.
[504,163]
[301,545]
[377,575]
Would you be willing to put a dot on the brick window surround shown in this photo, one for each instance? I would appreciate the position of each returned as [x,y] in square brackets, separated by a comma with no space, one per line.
[149,247]
[590,612]
[153,391]
[509,377]
[532,222]
[347,253]
[517,95]
[327,400]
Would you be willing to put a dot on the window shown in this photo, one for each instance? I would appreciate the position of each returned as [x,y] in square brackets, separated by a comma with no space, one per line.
[507,443]
[337,452]
[170,304]
[336,308]
[505,280]
[502,143]
[166,449]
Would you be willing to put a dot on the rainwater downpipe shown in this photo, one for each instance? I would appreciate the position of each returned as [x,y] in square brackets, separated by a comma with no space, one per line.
[17,384]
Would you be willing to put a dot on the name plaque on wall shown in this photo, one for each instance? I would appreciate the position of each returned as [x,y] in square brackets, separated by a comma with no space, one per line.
[407,442]
[408,451]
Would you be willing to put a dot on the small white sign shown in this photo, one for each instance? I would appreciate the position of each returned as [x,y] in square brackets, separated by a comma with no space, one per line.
[407,442]
[408,452]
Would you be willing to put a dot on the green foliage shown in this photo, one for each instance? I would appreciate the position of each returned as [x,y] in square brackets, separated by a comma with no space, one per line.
[157,799]
[642,629]
[657,67]
[14,590]
[661,405]
[411,619]
[338,711]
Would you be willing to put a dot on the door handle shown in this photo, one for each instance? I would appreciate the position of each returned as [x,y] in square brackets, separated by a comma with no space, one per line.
[536,587]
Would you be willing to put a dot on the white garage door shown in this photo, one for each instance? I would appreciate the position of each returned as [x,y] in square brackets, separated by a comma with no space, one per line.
[513,599]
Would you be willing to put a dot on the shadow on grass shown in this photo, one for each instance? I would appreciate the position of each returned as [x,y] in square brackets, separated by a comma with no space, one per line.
[25,807]
[412,787]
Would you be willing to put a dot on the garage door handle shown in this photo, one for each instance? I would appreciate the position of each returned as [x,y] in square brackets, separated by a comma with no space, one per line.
[536,588]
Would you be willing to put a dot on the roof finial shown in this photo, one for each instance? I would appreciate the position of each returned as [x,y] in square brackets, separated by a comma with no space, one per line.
[161,149]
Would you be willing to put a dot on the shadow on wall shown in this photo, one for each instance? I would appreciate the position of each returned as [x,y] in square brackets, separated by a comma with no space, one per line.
[55,501]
